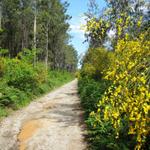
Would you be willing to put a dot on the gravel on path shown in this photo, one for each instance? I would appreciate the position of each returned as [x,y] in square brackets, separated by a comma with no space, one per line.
[53,122]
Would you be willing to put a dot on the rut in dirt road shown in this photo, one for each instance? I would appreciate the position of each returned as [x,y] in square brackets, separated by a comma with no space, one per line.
[54,122]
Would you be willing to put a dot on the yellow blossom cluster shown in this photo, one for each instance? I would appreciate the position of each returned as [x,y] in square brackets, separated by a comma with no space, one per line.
[128,99]
[97,28]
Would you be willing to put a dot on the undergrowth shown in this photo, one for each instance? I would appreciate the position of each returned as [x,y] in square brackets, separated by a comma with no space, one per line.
[21,82]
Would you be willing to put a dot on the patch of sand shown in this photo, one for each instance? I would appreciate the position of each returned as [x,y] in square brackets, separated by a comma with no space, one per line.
[27,131]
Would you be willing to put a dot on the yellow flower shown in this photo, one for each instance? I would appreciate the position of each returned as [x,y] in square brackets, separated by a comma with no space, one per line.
[98,110]
[133,79]
[131,130]
[115,115]
[142,89]
[92,113]
[142,79]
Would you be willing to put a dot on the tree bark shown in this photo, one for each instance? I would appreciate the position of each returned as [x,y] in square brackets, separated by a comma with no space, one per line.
[46,57]
[35,32]
[0,15]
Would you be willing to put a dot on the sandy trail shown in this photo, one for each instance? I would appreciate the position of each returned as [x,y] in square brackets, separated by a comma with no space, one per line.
[54,122]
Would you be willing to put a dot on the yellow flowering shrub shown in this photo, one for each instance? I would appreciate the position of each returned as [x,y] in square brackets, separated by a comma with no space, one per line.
[122,117]
[97,29]
[127,99]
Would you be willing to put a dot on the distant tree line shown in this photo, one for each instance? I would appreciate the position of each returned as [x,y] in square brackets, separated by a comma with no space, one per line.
[38,25]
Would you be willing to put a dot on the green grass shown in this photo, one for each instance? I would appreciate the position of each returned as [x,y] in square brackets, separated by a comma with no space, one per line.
[3,112]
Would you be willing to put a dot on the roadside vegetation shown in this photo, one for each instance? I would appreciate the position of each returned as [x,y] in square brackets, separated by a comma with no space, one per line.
[35,54]
[21,82]
[114,81]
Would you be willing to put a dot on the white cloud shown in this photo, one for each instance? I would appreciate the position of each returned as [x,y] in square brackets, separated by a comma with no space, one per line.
[83,19]
[111,33]
[76,29]
[145,9]
[76,24]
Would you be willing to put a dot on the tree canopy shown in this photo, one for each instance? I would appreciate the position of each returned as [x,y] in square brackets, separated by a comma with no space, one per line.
[41,25]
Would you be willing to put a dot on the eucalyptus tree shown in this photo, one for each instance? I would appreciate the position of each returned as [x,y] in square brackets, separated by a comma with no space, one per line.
[44,7]
[38,25]
[26,26]
[71,58]
[0,15]
[35,23]
[58,31]
[10,38]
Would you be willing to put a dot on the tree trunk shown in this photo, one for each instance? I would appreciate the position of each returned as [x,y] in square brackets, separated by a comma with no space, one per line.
[34,40]
[23,32]
[46,56]
[0,15]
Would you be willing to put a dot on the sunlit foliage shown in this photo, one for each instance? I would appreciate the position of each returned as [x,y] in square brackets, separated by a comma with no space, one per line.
[121,118]
[126,102]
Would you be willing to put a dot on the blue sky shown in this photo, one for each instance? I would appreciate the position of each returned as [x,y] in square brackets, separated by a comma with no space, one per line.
[77,9]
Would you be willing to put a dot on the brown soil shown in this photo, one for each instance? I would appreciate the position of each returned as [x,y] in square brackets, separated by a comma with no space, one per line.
[27,131]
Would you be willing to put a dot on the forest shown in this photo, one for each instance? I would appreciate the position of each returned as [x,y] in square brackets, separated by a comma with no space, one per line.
[35,53]
[114,81]
[36,56]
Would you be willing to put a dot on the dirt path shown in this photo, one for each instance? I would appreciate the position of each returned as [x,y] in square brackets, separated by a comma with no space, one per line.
[54,122]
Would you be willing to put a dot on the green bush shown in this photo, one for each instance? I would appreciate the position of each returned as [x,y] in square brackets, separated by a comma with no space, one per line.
[100,135]
[11,96]
[103,136]
[2,67]
[121,119]
[3,112]
[20,75]
[90,92]
[21,81]
[96,61]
